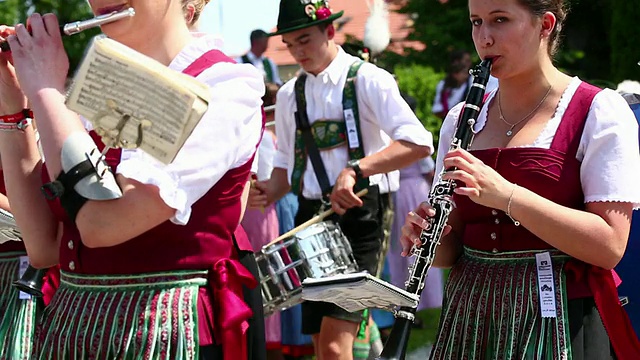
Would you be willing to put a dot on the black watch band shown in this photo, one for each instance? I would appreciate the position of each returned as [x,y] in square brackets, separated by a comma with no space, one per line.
[355,165]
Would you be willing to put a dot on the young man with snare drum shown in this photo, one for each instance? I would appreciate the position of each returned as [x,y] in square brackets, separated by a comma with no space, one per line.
[363,135]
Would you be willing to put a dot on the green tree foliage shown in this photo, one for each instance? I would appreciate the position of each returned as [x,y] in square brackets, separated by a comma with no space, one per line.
[10,11]
[420,82]
[588,49]
[16,11]
[585,48]
[624,37]
[597,42]
[441,27]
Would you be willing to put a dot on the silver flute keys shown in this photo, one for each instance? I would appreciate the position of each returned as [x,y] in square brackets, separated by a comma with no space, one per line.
[79,26]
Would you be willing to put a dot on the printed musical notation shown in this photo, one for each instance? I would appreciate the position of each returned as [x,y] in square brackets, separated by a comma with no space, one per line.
[161,106]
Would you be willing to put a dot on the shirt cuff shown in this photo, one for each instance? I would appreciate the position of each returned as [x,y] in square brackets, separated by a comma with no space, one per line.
[419,136]
[280,161]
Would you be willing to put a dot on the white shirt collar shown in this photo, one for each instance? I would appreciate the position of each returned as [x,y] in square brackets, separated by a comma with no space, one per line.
[252,57]
[336,67]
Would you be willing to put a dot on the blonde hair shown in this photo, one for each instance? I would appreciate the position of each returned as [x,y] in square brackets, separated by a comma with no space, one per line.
[198,6]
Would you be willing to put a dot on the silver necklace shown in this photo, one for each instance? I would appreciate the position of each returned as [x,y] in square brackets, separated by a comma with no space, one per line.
[510,131]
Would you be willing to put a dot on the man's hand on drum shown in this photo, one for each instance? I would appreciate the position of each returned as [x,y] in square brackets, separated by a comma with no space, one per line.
[414,224]
[342,197]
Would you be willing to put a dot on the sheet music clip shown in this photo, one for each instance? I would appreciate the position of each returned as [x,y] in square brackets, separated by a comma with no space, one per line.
[96,160]
[112,137]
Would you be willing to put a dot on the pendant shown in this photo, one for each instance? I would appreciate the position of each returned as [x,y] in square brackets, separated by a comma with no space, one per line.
[509,133]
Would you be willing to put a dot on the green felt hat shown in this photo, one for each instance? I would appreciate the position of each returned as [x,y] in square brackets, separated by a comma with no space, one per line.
[299,14]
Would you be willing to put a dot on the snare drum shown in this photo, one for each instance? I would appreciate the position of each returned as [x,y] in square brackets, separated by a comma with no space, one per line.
[317,251]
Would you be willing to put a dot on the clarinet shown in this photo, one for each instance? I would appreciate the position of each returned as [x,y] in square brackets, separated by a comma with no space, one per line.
[441,199]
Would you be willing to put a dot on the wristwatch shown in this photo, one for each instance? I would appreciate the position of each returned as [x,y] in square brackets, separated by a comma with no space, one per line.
[355,165]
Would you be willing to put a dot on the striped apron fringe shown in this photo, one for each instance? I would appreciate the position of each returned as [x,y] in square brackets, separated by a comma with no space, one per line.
[17,316]
[491,309]
[143,316]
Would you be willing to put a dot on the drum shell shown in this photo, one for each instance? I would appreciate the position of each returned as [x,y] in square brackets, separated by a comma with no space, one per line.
[320,250]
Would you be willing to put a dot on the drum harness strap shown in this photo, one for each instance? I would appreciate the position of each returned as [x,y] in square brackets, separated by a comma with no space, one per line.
[307,137]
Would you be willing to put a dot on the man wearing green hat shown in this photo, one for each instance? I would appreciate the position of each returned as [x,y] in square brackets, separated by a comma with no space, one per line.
[341,126]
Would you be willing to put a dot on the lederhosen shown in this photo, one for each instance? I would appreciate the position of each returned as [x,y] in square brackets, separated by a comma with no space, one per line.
[492,308]
[174,292]
[363,226]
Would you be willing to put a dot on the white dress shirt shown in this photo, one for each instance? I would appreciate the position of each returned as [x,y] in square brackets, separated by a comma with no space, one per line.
[384,116]
[259,64]
[608,147]
[263,162]
[225,138]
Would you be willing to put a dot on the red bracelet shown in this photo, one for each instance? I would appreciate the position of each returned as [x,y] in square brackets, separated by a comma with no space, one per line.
[17,117]
[19,121]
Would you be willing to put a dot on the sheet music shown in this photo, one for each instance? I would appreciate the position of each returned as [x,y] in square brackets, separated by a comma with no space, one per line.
[8,229]
[114,81]
[357,291]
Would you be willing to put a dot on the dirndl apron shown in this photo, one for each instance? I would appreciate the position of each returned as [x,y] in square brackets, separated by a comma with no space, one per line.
[18,312]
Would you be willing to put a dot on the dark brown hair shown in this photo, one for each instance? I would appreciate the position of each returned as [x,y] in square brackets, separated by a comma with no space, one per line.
[459,60]
[557,8]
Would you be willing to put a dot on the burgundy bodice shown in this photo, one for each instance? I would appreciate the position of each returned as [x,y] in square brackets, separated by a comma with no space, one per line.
[207,238]
[553,173]
[12,246]
[543,171]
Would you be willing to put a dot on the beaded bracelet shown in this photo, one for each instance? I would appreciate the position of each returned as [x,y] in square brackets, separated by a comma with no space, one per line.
[515,222]
[18,121]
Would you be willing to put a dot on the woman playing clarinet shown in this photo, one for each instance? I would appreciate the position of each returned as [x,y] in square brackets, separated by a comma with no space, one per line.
[544,202]
[149,265]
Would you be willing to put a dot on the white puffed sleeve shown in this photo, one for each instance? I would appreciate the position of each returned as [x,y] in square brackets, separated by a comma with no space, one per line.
[609,151]
[446,135]
[226,138]
[379,91]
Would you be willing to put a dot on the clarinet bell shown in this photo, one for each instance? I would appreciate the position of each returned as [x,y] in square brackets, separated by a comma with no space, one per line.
[31,281]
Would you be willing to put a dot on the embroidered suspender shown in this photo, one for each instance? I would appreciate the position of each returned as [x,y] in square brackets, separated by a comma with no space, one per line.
[352,118]
[328,134]
[268,70]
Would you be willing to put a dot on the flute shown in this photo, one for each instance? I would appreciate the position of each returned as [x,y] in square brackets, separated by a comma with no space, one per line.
[79,26]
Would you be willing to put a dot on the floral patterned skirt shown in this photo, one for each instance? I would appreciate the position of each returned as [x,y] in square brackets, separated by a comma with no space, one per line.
[492,310]
[143,316]
[17,316]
